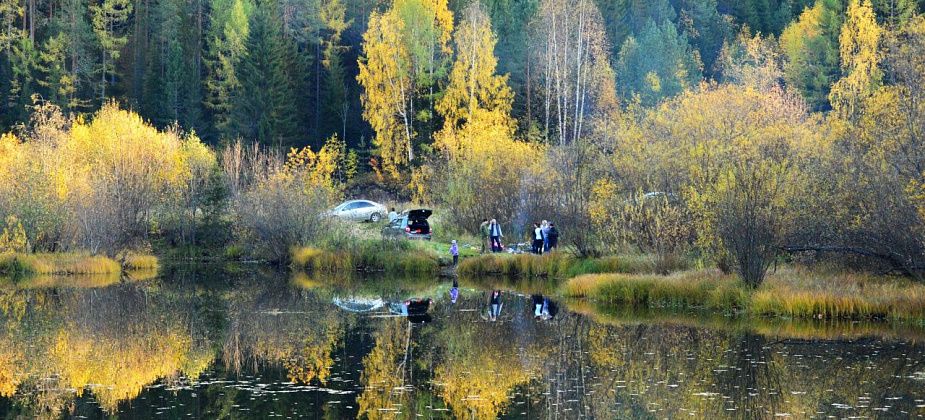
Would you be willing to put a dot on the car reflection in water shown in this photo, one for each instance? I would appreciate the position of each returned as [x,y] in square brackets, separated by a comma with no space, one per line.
[416,309]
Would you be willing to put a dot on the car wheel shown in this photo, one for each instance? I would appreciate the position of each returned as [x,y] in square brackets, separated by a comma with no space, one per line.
[374,218]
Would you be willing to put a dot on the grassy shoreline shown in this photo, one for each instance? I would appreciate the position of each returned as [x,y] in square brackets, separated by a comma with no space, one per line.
[559,265]
[73,263]
[790,293]
[392,257]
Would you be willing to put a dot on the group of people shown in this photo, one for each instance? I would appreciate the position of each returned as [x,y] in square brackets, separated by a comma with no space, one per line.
[545,236]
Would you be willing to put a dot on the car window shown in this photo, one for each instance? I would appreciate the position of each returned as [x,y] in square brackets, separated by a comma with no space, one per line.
[363,205]
[351,206]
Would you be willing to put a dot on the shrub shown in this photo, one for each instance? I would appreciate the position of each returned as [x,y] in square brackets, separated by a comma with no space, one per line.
[279,205]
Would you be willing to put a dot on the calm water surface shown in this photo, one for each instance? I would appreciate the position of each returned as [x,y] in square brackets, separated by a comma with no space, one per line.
[253,343]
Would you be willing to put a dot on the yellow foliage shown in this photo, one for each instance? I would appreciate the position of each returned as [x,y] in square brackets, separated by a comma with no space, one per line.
[476,103]
[13,238]
[10,360]
[118,369]
[115,165]
[401,49]
[860,57]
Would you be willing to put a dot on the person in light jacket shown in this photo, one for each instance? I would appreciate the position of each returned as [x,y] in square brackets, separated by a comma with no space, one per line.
[494,232]
[454,251]
[545,228]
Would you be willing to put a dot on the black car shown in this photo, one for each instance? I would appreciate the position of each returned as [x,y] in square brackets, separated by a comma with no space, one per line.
[411,224]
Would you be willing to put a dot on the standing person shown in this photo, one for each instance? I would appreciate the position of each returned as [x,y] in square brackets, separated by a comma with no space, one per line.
[454,251]
[483,234]
[494,232]
[495,305]
[545,228]
[392,215]
[537,239]
[553,236]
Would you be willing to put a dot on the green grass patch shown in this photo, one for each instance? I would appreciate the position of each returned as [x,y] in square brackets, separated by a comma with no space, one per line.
[691,289]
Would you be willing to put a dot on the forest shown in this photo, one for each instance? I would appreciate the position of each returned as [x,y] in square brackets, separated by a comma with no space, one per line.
[740,133]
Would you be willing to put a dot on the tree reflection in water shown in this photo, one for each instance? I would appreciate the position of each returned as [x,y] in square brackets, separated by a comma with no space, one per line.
[258,346]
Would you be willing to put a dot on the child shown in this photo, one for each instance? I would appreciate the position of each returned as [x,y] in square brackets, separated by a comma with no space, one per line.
[454,251]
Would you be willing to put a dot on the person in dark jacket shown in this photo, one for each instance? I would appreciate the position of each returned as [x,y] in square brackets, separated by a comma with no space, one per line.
[553,237]
[483,235]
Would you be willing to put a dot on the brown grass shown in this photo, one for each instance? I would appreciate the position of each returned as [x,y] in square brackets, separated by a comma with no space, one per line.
[57,263]
[801,293]
[134,261]
[369,256]
[689,289]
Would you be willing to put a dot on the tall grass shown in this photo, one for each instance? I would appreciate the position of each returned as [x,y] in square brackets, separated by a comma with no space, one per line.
[57,263]
[804,329]
[45,264]
[691,289]
[398,257]
[557,264]
[790,293]
[134,261]
[805,294]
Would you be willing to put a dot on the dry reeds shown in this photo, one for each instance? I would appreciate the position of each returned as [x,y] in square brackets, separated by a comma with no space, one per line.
[691,289]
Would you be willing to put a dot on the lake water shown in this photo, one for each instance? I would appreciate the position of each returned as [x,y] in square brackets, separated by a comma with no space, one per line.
[255,343]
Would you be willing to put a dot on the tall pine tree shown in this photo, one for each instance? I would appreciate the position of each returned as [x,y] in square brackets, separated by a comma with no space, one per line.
[225,42]
[264,106]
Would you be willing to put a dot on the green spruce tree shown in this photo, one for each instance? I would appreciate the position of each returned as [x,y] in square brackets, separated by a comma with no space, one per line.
[264,106]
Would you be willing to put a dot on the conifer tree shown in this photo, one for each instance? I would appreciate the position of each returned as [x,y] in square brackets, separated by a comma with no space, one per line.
[658,64]
[263,105]
[225,42]
[333,18]
[109,18]
[54,75]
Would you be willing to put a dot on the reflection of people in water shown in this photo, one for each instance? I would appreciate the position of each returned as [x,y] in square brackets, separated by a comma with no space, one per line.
[543,308]
[454,292]
[495,305]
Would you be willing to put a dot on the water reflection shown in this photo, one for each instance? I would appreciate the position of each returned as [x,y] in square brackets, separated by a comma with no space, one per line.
[259,344]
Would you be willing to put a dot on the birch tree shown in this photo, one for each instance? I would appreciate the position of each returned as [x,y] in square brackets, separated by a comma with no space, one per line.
[574,66]
[405,54]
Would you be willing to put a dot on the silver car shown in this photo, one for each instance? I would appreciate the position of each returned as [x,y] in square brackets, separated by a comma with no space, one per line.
[359,210]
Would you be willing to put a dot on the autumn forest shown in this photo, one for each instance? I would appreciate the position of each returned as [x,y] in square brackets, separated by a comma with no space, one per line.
[738,134]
